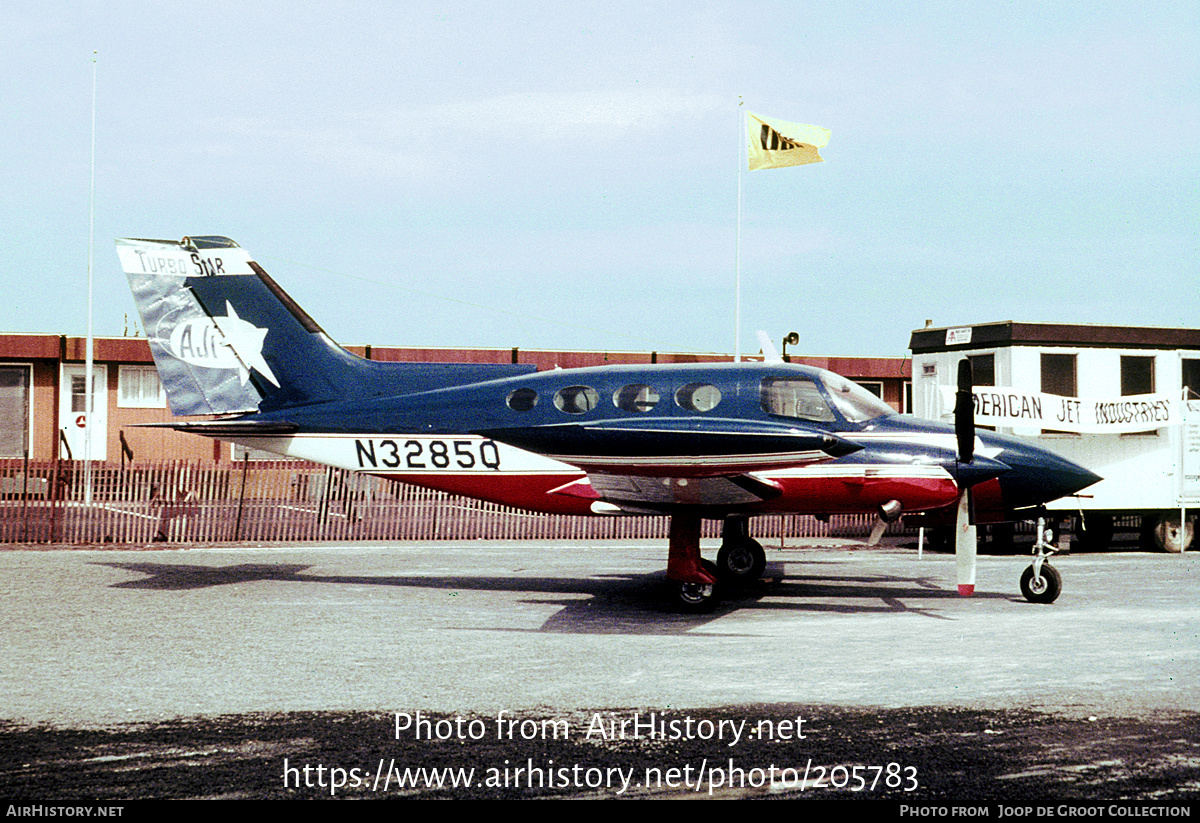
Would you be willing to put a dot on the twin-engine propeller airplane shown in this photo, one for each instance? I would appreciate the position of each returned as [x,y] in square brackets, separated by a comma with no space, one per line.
[719,441]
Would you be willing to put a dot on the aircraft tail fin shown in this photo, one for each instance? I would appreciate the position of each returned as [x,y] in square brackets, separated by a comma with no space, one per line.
[226,338]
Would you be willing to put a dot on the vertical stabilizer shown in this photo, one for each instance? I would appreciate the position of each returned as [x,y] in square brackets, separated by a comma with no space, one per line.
[226,338]
[201,370]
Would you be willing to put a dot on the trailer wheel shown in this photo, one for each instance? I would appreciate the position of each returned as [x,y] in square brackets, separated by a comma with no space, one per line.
[1045,590]
[1162,532]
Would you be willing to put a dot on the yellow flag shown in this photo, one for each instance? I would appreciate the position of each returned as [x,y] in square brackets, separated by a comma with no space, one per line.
[777,143]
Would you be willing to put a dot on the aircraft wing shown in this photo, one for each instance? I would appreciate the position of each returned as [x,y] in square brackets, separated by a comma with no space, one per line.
[640,493]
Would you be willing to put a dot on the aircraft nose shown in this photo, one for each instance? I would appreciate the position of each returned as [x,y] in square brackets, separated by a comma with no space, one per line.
[1040,476]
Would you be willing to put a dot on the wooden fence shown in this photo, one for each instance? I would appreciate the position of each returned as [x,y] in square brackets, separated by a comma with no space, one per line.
[260,501]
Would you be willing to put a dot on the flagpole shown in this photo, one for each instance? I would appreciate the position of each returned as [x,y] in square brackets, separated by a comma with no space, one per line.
[737,268]
[89,357]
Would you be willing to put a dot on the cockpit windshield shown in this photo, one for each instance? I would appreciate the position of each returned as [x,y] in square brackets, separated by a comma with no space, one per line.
[799,397]
[852,401]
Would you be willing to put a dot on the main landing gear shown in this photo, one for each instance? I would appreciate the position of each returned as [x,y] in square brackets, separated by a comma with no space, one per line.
[1041,582]
[741,559]
[696,584]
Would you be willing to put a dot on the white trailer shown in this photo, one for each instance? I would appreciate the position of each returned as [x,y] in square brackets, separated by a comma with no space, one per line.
[1123,402]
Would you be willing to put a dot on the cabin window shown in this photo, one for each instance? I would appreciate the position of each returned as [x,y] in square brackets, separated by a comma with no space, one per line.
[698,397]
[576,399]
[795,397]
[522,399]
[636,397]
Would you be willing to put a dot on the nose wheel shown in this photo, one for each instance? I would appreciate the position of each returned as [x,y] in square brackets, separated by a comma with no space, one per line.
[1041,582]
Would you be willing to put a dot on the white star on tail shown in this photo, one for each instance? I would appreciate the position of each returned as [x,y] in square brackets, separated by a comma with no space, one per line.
[246,341]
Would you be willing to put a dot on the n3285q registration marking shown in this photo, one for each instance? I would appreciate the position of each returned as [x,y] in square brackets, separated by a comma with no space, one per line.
[426,453]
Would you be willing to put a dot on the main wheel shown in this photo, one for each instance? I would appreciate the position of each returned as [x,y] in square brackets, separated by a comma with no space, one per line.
[696,598]
[742,561]
[1045,590]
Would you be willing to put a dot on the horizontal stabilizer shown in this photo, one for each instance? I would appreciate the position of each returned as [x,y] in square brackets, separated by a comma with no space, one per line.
[233,427]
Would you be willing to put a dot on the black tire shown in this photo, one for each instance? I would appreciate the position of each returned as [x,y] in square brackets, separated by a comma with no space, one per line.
[1162,533]
[696,598]
[1048,591]
[741,562]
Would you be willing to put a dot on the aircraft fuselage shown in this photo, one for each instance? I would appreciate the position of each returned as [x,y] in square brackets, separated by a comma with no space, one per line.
[731,438]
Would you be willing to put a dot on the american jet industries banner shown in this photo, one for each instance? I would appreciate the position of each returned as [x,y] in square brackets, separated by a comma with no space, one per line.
[775,144]
[1033,410]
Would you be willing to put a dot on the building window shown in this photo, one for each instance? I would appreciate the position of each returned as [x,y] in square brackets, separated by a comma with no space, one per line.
[983,369]
[1058,375]
[1137,375]
[14,410]
[1191,377]
[138,387]
[875,387]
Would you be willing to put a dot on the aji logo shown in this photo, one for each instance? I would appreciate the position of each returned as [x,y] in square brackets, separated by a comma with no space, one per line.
[222,343]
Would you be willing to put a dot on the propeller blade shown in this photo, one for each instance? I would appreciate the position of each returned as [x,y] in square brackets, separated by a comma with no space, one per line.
[964,413]
[965,545]
[877,531]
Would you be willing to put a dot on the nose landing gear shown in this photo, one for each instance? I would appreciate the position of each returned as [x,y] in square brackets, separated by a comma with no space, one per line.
[1041,582]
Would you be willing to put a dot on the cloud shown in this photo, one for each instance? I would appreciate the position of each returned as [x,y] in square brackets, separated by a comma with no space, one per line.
[444,135]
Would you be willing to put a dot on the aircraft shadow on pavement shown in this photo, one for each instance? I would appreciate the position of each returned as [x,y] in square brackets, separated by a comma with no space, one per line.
[618,604]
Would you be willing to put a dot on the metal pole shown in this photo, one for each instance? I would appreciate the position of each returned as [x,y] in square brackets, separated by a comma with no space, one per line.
[237,526]
[25,500]
[737,269]
[89,389]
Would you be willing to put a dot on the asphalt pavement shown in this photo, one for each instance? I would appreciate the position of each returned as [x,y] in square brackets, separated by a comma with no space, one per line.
[94,637]
[858,640]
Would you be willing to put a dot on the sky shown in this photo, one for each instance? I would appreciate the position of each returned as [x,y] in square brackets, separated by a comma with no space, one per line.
[566,175]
